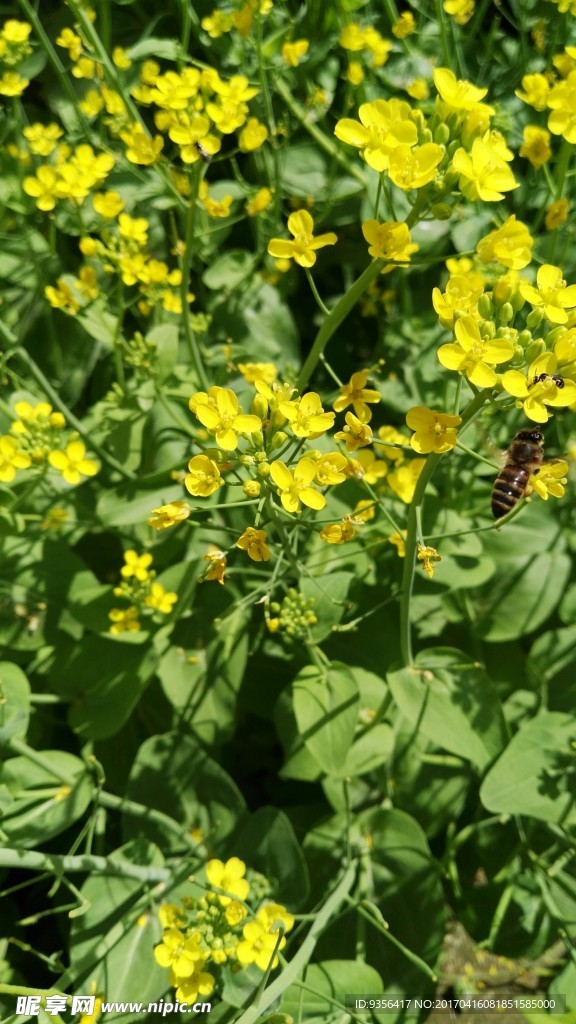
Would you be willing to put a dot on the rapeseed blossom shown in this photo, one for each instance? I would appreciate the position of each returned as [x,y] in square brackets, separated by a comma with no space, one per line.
[473,355]
[389,241]
[433,431]
[304,245]
[356,394]
[383,125]
[552,295]
[295,487]
[511,245]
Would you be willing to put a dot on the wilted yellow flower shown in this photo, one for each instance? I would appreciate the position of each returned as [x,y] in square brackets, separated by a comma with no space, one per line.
[218,562]
[260,202]
[168,515]
[338,533]
[557,214]
[429,558]
[292,52]
[536,146]
[253,542]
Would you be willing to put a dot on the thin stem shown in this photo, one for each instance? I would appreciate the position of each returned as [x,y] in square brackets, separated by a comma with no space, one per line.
[189,333]
[56,864]
[316,293]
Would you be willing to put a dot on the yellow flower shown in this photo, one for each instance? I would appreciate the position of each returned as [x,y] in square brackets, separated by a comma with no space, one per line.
[45,188]
[272,913]
[536,145]
[292,52]
[72,462]
[399,541]
[364,511]
[12,84]
[551,479]
[62,297]
[511,245]
[225,419]
[457,94]
[133,229]
[171,915]
[403,480]
[258,371]
[121,58]
[136,566]
[429,558]
[258,203]
[562,102]
[295,488]
[460,10]
[257,946]
[552,295]
[16,32]
[254,543]
[203,477]
[338,532]
[160,599]
[461,295]
[355,434]
[252,136]
[11,459]
[199,983]
[306,415]
[384,125]
[483,173]
[330,469]
[473,355]
[217,23]
[168,515]
[68,40]
[556,214]
[418,89]
[108,204]
[179,952]
[534,91]
[352,37]
[141,149]
[434,431]
[214,207]
[54,519]
[372,469]
[405,25]
[234,913]
[355,73]
[541,387]
[356,394]
[413,168]
[124,620]
[217,561]
[42,138]
[230,877]
[303,248]
[391,438]
[389,241]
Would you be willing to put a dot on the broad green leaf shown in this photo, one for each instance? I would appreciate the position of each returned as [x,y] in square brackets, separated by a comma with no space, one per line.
[165,341]
[104,679]
[229,270]
[173,774]
[533,775]
[14,702]
[326,709]
[329,594]
[128,505]
[519,600]
[369,751]
[299,761]
[450,700]
[44,805]
[266,841]
[336,979]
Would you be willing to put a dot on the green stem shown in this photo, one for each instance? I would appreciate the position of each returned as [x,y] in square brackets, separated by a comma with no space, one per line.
[372,914]
[271,120]
[316,293]
[56,864]
[189,333]
[414,514]
[335,318]
[443,36]
[319,137]
[301,959]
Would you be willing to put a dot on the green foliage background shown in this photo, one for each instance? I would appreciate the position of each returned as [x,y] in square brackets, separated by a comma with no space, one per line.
[390,805]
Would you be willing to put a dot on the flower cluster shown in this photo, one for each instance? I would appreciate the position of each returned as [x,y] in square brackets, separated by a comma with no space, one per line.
[14,49]
[233,923]
[144,594]
[555,94]
[37,440]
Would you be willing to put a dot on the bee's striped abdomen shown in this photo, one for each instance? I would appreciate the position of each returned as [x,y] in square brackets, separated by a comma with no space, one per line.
[508,489]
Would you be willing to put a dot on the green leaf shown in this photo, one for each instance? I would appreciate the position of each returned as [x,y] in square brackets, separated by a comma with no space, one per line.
[171,772]
[451,701]
[165,341]
[326,709]
[329,594]
[521,598]
[534,774]
[265,840]
[164,49]
[229,270]
[14,702]
[369,751]
[43,804]
[299,761]
[104,679]
[128,505]
[333,978]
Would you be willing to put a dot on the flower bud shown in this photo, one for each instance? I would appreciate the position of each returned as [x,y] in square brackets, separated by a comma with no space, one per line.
[263,469]
[442,135]
[534,349]
[554,335]
[280,438]
[259,406]
[502,291]
[257,438]
[441,211]
[246,460]
[426,136]
[518,356]
[524,338]
[485,307]
[488,329]
[251,488]
[277,418]
[452,147]
[506,313]
[534,319]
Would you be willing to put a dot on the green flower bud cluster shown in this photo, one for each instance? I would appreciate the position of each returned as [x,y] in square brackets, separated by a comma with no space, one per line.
[295,614]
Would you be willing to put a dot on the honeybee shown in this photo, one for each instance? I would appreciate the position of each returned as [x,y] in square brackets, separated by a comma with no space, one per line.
[523,458]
